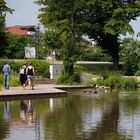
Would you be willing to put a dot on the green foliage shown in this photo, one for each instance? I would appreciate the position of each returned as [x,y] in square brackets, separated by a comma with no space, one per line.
[1,81]
[41,66]
[3,38]
[16,45]
[101,20]
[130,55]
[3,10]
[69,55]
[138,71]
[14,80]
[1,78]
[129,83]
[68,79]
[94,54]
[114,80]
[52,39]
[118,81]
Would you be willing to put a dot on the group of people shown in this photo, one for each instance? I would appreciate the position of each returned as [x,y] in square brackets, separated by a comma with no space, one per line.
[27,75]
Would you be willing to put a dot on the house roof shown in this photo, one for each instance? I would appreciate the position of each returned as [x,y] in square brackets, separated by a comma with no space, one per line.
[21,30]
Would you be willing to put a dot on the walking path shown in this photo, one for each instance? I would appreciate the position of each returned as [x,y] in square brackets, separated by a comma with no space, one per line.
[41,90]
[47,90]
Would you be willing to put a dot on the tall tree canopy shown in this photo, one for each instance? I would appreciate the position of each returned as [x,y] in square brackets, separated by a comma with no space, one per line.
[3,10]
[99,19]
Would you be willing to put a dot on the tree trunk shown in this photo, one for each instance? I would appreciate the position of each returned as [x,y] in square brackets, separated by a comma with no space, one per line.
[109,43]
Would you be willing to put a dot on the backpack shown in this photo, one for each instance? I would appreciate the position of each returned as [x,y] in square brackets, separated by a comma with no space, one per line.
[22,70]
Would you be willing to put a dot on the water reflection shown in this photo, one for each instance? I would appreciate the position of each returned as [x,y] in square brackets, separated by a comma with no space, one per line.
[78,116]
[6,112]
[27,113]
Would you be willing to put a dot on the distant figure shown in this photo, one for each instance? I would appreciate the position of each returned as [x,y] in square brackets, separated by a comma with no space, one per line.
[23,76]
[30,75]
[6,70]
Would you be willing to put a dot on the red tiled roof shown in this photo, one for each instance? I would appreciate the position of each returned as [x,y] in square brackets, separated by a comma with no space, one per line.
[20,30]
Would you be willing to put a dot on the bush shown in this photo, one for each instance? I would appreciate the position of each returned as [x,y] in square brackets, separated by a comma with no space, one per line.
[138,71]
[129,83]
[114,80]
[118,81]
[95,54]
[41,66]
[130,66]
[66,79]
[14,81]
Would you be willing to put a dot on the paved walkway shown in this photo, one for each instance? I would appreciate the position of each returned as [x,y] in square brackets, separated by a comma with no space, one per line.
[41,91]
[47,90]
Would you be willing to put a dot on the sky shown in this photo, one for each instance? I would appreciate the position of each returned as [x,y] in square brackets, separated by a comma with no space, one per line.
[26,13]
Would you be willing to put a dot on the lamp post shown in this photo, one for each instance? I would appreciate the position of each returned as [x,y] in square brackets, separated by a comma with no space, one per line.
[37,37]
[37,33]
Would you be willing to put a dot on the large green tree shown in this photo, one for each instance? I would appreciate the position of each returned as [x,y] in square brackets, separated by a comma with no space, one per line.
[15,49]
[102,20]
[106,20]
[61,15]
[3,10]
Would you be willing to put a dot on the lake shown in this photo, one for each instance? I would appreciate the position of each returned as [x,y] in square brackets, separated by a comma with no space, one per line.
[78,116]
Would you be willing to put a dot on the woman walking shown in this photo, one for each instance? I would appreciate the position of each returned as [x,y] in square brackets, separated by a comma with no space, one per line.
[23,76]
[30,75]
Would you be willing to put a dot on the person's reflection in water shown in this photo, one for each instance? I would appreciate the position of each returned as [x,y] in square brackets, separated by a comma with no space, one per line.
[6,113]
[27,113]
[30,113]
[23,107]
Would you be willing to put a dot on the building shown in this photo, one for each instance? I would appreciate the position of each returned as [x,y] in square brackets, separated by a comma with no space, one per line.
[22,30]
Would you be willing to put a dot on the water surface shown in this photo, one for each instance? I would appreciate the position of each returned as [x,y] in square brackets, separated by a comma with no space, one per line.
[78,116]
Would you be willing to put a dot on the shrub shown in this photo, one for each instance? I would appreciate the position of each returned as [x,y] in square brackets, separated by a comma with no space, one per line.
[41,66]
[118,81]
[129,83]
[14,81]
[66,79]
[101,82]
[114,80]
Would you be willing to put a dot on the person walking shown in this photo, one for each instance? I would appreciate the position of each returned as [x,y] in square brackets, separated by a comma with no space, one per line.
[23,76]
[30,75]
[6,70]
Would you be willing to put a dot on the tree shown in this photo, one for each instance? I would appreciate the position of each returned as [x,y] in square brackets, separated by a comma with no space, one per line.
[106,20]
[102,20]
[60,14]
[15,47]
[52,40]
[3,10]
[130,55]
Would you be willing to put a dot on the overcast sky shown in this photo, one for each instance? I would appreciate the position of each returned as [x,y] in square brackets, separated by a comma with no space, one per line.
[26,13]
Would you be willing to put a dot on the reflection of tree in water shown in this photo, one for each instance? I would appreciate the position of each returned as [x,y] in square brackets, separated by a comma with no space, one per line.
[68,124]
[130,104]
[4,129]
[107,130]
